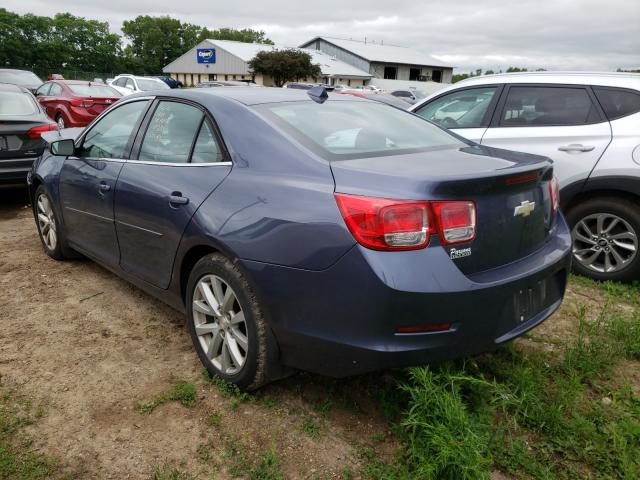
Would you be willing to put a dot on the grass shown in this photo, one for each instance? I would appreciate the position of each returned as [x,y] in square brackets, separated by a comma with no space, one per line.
[166,472]
[525,411]
[310,427]
[242,463]
[183,392]
[18,460]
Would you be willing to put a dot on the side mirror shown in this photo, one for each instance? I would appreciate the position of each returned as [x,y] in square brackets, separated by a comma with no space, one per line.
[63,148]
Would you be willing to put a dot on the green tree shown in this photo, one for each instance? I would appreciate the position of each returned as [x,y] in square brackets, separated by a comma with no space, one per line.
[246,35]
[284,65]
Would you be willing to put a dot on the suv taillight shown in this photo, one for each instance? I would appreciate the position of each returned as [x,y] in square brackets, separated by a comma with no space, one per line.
[36,132]
[384,224]
[554,194]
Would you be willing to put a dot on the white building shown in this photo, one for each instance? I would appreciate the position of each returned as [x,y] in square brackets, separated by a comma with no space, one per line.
[228,60]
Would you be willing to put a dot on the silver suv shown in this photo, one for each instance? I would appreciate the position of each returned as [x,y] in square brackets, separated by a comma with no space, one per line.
[589,125]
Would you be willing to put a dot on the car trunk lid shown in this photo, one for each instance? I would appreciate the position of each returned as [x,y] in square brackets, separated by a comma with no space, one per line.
[14,141]
[510,191]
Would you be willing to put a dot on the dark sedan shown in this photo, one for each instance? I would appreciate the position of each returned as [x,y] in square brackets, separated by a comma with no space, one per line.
[337,236]
[22,123]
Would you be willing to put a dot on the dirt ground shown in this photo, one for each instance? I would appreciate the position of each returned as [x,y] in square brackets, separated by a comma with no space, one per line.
[88,346]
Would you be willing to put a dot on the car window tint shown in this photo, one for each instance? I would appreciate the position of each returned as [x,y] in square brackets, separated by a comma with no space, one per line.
[108,138]
[44,89]
[206,149]
[170,134]
[617,102]
[548,106]
[16,103]
[461,109]
[55,90]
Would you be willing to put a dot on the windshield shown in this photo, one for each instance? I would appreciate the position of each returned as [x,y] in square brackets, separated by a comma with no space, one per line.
[13,103]
[94,90]
[17,77]
[146,84]
[342,129]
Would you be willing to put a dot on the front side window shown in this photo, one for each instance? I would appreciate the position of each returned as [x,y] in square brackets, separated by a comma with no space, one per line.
[171,132]
[43,91]
[548,106]
[344,129]
[55,90]
[461,109]
[109,137]
[616,102]
[129,84]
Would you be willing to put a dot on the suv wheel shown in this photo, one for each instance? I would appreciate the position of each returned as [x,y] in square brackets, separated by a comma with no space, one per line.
[226,323]
[605,233]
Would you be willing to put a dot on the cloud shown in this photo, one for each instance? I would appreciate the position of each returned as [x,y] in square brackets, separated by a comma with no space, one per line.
[470,34]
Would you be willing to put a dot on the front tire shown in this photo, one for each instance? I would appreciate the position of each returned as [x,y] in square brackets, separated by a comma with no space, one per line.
[226,323]
[49,226]
[605,233]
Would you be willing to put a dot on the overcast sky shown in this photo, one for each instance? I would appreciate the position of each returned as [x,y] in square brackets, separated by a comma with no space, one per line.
[469,34]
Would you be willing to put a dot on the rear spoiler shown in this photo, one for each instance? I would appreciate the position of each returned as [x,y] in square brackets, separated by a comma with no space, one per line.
[63,134]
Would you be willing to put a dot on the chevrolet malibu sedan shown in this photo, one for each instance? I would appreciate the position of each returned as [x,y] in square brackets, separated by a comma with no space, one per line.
[334,235]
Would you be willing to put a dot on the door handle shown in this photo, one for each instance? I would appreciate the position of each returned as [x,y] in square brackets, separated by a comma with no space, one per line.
[176,198]
[103,187]
[576,147]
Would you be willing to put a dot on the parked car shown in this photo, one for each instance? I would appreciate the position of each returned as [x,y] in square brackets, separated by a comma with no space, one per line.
[378,97]
[222,83]
[74,103]
[22,122]
[128,84]
[337,238]
[410,95]
[22,78]
[589,125]
[171,82]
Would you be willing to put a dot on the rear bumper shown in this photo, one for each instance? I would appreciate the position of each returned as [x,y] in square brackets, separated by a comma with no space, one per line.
[13,171]
[343,320]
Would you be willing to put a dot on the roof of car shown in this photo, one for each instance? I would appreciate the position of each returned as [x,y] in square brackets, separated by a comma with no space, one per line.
[614,79]
[253,96]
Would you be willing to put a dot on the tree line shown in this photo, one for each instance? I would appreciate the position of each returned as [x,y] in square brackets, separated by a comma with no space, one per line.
[67,43]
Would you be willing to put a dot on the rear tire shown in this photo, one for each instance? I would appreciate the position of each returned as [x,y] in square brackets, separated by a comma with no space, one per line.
[605,232]
[226,323]
[60,121]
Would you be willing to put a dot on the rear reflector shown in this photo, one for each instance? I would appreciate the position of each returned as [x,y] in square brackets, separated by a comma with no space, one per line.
[430,327]
[384,224]
[36,132]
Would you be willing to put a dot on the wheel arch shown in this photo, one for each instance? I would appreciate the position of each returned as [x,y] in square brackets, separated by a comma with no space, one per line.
[609,186]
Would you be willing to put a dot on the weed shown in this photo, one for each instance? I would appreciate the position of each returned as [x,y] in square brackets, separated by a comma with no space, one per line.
[214,419]
[310,427]
[183,392]
[170,473]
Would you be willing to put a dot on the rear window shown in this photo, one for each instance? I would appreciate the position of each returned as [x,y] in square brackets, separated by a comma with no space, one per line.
[94,91]
[13,103]
[618,103]
[342,130]
[16,77]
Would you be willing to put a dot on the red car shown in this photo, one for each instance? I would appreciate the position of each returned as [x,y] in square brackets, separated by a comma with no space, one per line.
[74,103]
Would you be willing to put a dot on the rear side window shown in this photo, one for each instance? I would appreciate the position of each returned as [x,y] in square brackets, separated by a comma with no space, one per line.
[109,137]
[55,90]
[206,149]
[548,106]
[44,89]
[171,132]
[462,109]
[616,102]
[16,103]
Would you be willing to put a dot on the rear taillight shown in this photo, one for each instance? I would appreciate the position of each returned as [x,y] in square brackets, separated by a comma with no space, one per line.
[36,132]
[554,194]
[384,224]
[81,102]
[456,221]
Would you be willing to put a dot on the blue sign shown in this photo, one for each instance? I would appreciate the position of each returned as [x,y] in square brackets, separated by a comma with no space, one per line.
[206,55]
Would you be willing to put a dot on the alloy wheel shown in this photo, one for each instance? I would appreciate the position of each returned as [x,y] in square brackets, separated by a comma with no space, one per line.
[47,222]
[220,324]
[604,242]
[60,122]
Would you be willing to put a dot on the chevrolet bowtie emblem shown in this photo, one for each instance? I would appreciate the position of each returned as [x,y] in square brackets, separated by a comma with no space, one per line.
[524,209]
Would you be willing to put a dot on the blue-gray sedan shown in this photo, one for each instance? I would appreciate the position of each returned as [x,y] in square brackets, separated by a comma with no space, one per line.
[337,236]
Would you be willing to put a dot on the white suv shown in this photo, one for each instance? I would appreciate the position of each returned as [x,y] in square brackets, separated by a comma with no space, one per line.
[128,84]
[589,125]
